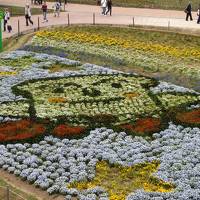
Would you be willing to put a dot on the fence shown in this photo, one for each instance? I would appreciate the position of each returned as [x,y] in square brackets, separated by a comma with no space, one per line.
[96,20]
[7,194]
[67,19]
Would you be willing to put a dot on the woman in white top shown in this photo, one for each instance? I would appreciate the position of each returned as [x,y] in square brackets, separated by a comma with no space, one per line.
[28,14]
[104,6]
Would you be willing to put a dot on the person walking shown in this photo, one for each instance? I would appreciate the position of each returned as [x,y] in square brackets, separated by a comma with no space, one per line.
[109,7]
[188,11]
[6,18]
[9,27]
[57,8]
[198,14]
[28,15]
[103,6]
[44,10]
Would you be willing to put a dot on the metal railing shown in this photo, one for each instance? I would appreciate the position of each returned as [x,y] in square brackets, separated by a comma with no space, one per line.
[119,20]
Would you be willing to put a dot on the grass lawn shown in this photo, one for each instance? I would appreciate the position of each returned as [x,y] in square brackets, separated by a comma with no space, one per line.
[163,4]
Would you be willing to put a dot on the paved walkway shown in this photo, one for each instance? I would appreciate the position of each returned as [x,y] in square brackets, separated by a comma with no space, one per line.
[83,14]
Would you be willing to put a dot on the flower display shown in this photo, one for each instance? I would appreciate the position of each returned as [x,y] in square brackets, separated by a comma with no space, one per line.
[85,37]
[7,73]
[86,131]
[96,100]
[146,125]
[143,55]
[112,180]
[67,131]
[189,117]
[20,130]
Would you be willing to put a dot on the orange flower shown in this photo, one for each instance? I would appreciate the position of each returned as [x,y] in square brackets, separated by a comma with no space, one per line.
[145,125]
[66,130]
[131,95]
[191,117]
[57,100]
[19,130]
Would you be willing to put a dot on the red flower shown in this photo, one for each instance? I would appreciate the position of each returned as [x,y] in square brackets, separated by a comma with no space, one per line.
[66,130]
[145,125]
[191,117]
[19,130]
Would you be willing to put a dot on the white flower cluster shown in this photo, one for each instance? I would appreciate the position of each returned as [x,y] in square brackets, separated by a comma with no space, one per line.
[178,150]
[194,107]
[169,87]
[53,162]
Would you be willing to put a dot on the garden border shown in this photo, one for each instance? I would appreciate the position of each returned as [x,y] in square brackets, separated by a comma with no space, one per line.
[192,32]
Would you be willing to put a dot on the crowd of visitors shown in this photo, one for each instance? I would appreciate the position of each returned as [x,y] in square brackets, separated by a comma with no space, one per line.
[106,7]
[37,2]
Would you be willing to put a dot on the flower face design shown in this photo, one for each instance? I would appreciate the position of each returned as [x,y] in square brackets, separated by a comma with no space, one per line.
[123,96]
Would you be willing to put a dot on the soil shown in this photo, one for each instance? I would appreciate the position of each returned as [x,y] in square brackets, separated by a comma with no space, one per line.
[27,188]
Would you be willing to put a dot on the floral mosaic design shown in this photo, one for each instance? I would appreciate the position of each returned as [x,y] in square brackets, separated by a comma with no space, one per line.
[79,130]
[116,100]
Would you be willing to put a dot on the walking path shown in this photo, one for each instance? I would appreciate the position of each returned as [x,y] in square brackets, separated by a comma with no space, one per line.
[17,183]
[83,14]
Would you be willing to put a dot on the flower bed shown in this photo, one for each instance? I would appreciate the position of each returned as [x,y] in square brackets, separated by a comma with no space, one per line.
[189,117]
[146,56]
[146,125]
[20,130]
[140,176]
[68,131]
[98,100]
[66,101]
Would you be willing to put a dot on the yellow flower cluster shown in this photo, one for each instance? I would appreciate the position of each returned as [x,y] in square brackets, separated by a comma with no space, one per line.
[86,37]
[119,181]
[7,73]
[57,100]
[131,95]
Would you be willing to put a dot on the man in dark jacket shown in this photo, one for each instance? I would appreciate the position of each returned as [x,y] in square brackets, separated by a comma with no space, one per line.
[109,7]
[188,11]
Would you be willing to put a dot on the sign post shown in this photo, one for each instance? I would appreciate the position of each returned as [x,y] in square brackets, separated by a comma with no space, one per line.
[1,39]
